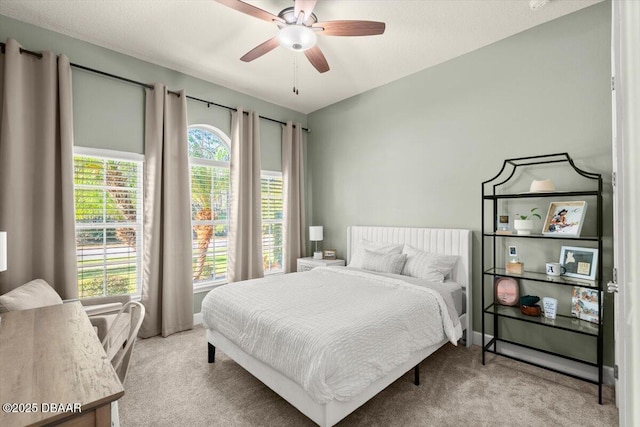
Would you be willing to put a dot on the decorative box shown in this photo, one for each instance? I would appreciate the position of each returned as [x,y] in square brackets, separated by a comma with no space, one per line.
[515,267]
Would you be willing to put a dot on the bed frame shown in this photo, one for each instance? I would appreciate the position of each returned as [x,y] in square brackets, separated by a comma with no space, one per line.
[438,240]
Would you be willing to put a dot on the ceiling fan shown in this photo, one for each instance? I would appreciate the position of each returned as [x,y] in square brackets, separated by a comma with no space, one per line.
[298,28]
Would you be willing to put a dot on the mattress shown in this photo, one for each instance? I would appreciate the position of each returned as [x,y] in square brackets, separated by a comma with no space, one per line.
[332,331]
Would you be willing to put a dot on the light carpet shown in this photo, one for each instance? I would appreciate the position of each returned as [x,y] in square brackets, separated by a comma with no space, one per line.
[170,383]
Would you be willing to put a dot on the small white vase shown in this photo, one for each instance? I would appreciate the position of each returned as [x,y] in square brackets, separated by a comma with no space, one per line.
[523,226]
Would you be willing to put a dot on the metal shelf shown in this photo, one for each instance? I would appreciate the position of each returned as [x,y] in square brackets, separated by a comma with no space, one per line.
[555,194]
[542,236]
[566,323]
[490,192]
[542,277]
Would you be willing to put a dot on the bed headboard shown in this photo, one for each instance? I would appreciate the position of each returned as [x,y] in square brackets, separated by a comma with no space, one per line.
[446,241]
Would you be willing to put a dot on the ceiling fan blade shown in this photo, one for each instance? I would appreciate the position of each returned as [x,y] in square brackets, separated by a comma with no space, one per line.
[305,6]
[261,49]
[256,12]
[350,28]
[317,59]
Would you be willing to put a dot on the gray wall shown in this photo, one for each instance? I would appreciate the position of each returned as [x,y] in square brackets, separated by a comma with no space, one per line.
[414,152]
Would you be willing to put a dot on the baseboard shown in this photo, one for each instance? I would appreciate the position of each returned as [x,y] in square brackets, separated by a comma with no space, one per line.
[197,319]
[549,360]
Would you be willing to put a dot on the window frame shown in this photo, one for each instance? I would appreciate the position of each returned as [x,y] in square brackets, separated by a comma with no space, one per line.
[114,155]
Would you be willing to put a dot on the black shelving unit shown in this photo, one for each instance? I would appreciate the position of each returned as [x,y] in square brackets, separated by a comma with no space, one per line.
[492,193]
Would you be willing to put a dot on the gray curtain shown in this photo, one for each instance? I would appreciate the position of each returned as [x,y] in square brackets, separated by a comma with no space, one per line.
[36,170]
[245,220]
[293,188]
[167,290]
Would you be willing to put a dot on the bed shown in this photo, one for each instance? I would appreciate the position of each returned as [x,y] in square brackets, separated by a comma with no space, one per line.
[304,374]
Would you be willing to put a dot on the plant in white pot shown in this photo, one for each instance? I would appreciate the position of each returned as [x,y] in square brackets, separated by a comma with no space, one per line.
[524,223]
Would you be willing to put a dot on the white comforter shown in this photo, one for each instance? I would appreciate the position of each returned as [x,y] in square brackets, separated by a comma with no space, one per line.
[334,331]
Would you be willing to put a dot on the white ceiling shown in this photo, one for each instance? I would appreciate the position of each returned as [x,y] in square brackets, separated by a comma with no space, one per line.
[206,39]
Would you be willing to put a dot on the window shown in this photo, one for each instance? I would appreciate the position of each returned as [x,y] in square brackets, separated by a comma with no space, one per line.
[108,203]
[272,222]
[209,158]
[209,155]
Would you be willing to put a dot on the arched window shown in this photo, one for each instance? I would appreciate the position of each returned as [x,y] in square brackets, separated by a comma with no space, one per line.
[209,156]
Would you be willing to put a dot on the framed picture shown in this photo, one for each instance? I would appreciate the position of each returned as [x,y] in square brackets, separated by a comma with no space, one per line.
[513,251]
[564,219]
[579,262]
[585,304]
[503,222]
[329,254]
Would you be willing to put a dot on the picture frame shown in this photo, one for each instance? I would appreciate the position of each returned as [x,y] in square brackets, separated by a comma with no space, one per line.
[580,263]
[329,254]
[585,304]
[503,222]
[565,219]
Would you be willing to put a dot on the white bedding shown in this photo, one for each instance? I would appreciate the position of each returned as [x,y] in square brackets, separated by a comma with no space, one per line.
[333,331]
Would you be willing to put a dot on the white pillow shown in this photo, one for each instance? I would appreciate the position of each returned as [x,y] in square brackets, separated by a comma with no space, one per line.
[383,263]
[427,265]
[382,248]
[36,293]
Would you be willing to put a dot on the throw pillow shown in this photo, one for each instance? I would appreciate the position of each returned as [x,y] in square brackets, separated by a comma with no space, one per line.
[36,293]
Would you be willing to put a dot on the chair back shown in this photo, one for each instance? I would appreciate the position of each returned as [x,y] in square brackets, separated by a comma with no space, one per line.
[120,357]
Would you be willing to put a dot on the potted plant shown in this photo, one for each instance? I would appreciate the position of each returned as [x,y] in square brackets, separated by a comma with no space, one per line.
[524,223]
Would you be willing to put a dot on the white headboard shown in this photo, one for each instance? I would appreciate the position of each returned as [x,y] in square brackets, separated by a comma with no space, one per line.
[446,241]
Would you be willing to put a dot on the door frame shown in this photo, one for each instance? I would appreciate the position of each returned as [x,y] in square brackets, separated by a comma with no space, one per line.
[625,64]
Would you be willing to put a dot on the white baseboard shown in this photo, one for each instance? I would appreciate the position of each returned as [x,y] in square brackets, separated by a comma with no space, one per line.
[197,319]
[549,360]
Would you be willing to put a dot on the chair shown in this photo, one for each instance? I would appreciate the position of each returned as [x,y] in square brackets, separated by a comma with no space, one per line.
[119,356]
[102,312]
[38,293]
[133,314]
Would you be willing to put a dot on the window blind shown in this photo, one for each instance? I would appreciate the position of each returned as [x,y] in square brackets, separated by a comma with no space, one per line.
[210,222]
[272,221]
[108,203]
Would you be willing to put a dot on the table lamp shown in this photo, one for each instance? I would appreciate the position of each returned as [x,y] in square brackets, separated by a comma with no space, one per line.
[3,250]
[315,235]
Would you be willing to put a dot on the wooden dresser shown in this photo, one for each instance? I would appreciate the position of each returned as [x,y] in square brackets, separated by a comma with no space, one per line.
[54,370]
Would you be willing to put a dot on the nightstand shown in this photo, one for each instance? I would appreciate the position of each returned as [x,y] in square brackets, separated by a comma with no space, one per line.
[309,263]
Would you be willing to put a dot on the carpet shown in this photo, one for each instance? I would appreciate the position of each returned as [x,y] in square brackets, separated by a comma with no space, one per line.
[170,383]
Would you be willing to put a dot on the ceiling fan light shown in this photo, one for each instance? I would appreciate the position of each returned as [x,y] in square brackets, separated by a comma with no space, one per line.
[297,38]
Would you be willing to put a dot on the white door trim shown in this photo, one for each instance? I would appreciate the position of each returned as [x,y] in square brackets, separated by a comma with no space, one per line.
[626,156]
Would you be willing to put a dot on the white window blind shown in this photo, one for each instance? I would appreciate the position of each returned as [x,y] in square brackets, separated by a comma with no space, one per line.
[272,222]
[108,203]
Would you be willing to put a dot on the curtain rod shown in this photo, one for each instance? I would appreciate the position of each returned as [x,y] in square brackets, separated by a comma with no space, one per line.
[147,85]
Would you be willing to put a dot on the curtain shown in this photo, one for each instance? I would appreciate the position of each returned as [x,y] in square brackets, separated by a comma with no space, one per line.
[245,222]
[293,189]
[36,170]
[167,290]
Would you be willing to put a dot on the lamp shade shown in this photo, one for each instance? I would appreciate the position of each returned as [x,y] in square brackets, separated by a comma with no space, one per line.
[3,250]
[315,233]
[297,38]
